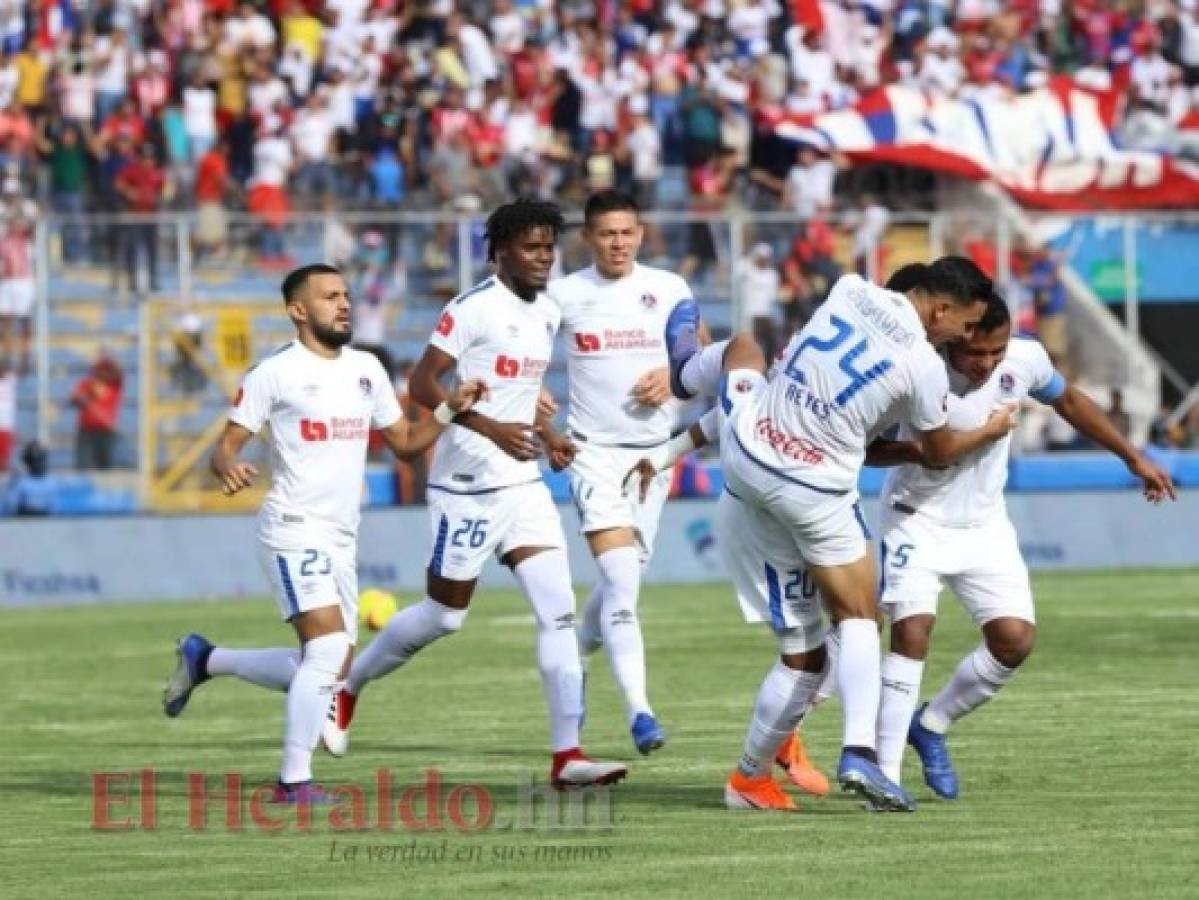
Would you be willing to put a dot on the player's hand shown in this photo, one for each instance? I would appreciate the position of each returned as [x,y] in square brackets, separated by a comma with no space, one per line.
[467,394]
[515,439]
[1157,485]
[236,477]
[652,388]
[547,406]
[559,449]
[639,478]
[1002,420]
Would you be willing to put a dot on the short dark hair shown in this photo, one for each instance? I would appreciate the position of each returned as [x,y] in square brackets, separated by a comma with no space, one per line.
[997,316]
[608,201]
[511,220]
[297,278]
[905,278]
[954,277]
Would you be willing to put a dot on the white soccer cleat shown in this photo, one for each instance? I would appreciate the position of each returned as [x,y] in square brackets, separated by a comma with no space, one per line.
[572,770]
[335,734]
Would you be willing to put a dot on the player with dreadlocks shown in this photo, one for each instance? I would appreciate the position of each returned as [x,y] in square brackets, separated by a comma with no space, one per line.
[486,494]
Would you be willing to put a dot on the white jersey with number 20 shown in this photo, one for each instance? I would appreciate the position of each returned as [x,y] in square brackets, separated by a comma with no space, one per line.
[864,357]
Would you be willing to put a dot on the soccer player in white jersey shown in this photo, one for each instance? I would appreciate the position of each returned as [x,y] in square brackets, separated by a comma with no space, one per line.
[320,399]
[949,525]
[791,453]
[614,315]
[486,493]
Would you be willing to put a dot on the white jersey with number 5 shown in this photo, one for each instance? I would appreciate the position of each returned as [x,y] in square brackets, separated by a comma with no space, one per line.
[863,357]
[505,341]
[970,490]
[614,335]
[320,412]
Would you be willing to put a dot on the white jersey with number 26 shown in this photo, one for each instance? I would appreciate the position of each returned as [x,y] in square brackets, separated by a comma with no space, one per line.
[864,357]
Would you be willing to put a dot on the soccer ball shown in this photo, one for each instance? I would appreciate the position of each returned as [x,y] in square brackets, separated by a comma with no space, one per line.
[375,607]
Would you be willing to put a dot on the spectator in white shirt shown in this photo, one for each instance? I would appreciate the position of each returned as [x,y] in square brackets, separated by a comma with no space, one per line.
[112,61]
[312,138]
[199,115]
[507,28]
[808,190]
[758,285]
[941,71]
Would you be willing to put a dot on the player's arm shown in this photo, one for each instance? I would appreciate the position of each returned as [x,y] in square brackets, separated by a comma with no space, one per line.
[944,445]
[410,439]
[560,450]
[700,433]
[1085,415]
[226,464]
[425,388]
[884,452]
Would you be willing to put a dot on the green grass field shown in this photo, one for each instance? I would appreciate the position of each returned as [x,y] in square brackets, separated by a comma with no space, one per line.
[1079,781]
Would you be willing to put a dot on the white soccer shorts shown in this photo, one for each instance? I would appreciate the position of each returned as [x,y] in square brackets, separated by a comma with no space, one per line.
[467,528]
[313,577]
[981,564]
[597,486]
[768,573]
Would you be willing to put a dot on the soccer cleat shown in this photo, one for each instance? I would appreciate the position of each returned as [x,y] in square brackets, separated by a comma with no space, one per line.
[192,650]
[301,792]
[858,774]
[793,758]
[933,751]
[647,734]
[763,792]
[572,770]
[682,342]
[335,734]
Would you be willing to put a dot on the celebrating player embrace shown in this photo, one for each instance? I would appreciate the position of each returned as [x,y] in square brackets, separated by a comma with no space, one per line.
[950,525]
[321,399]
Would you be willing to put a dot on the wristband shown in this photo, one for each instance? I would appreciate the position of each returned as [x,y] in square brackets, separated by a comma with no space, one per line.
[444,413]
[672,451]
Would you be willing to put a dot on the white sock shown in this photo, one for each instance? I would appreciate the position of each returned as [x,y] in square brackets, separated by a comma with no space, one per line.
[271,668]
[590,635]
[700,375]
[545,581]
[977,679]
[832,646]
[783,699]
[858,681]
[407,632]
[314,683]
[901,692]
[621,573]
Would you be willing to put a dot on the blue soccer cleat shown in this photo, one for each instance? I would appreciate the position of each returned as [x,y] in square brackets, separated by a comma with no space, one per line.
[647,734]
[192,650]
[933,751]
[682,342]
[858,774]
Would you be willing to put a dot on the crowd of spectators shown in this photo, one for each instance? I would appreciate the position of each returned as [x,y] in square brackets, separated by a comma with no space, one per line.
[277,103]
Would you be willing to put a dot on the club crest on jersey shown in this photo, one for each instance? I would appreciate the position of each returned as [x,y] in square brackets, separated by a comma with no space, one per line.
[743,386]
[649,301]
[1007,383]
[445,324]
[364,385]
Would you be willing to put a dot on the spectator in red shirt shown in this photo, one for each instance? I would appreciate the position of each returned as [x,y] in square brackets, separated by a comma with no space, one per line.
[98,398]
[212,187]
[141,185]
[125,122]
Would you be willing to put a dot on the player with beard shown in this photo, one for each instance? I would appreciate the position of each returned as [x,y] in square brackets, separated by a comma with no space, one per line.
[486,493]
[321,399]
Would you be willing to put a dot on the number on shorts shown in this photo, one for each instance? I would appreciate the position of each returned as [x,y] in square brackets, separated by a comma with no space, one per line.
[799,586]
[900,557]
[844,333]
[472,533]
[314,556]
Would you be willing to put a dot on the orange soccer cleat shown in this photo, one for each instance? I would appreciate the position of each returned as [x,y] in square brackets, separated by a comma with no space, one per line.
[763,792]
[793,758]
